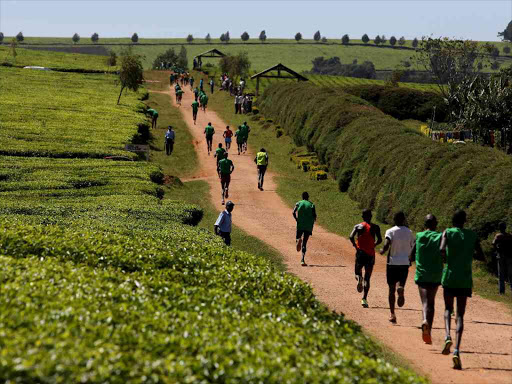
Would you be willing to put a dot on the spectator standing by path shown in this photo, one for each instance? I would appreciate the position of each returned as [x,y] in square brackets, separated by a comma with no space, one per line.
[458,247]
[239,140]
[261,161]
[219,155]
[228,135]
[368,237]
[503,247]
[429,269]
[195,108]
[225,168]
[399,241]
[154,117]
[222,226]
[209,131]
[170,136]
[201,84]
[212,84]
[304,214]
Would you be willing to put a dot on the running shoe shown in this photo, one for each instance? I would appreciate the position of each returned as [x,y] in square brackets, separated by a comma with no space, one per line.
[364,303]
[457,364]
[227,193]
[427,337]
[359,279]
[222,202]
[303,263]
[299,244]
[447,345]
[401,297]
[392,319]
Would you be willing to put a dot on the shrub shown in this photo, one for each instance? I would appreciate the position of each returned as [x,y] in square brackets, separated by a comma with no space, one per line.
[76,38]
[506,50]
[112,59]
[279,133]
[135,38]
[95,37]
[20,37]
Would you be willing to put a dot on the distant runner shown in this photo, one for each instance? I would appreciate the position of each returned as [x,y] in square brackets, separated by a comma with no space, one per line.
[239,140]
[304,214]
[154,117]
[399,241]
[201,84]
[245,133]
[458,247]
[170,136]
[261,161]
[176,89]
[196,93]
[219,155]
[209,131]
[204,101]
[225,169]
[191,83]
[222,226]
[368,237]
[195,108]
[503,247]
[179,95]
[429,269]
[228,134]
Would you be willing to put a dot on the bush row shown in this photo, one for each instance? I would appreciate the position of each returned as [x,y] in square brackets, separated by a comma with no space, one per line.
[388,167]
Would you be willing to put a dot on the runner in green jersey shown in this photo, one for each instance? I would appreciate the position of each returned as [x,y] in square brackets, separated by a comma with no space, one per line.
[179,95]
[195,108]
[304,214]
[429,268]
[204,101]
[239,140]
[219,155]
[225,168]
[209,132]
[245,134]
[458,247]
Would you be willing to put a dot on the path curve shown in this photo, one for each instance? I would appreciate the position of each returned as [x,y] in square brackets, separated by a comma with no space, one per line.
[487,340]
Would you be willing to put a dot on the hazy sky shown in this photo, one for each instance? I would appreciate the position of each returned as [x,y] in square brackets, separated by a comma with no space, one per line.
[478,20]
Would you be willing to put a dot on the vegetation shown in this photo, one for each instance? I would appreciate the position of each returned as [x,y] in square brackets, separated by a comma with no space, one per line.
[95,37]
[317,36]
[333,66]
[135,38]
[190,39]
[76,38]
[1,37]
[236,66]
[20,37]
[131,73]
[208,38]
[245,36]
[171,59]
[506,34]
[263,36]
[298,37]
[345,39]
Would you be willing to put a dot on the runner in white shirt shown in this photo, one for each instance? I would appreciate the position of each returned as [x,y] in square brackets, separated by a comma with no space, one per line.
[399,241]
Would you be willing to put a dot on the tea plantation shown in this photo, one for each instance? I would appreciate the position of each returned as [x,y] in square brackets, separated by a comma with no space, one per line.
[105,281]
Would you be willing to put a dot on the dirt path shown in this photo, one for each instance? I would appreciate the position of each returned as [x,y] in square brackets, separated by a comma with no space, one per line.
[486,349]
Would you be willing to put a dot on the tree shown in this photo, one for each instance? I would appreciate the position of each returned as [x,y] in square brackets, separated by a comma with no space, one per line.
[415,43]
[345,39]
[95,37]
[1,37]
[263,36]
[401,41]
[317,36]
[20,37]
[135,38]
[245,36]
[208,38]
[506,35]
[392,41]
[383,39]
[495,52]
[76,38]
[223,37]
[226,37]
[190,38]
[171,59]
[506,50]
[324,39]
[131,74]
[236,66]
[298,37]
[112,59]
[14,44]
[365,38]
[182,58]
[377,40]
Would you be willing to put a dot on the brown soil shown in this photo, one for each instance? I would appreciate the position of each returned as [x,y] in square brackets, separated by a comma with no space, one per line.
[487,341]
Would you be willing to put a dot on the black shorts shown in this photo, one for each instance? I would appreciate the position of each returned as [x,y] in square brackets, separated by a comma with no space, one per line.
[225,179]
[226,236]
[209,139]
[363,259]
[301,232]
[426,284]
[397,274]
[458,292]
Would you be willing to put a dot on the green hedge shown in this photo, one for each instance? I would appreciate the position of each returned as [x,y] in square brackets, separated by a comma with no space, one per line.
[388,167]
[401,102]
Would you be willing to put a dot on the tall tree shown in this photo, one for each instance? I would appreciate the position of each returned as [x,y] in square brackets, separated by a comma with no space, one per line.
[263,36]
[383,39]
[226,37]
[506,35]
[208,38]
[298,37]
[245,36]
[236,66]
[392,41]
[135,38]
[190,39]
[76,38]
[95,37]
[20,37]
[401,41]
[377,40]
[365,38]
[182,58]
[223,37]
[317,36]
[1,37]
[415,43]
[131,73]
[345,39]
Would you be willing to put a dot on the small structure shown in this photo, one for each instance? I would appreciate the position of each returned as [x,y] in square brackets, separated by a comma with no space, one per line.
[212,54]
[279,68]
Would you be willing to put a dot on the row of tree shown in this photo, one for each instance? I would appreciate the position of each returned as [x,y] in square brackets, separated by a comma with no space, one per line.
[75,38]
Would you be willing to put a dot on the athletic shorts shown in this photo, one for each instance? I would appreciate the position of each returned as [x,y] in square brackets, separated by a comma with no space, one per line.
[427,284]
[209,139]
[228,140]
[301,232]
[397,274]
[363,260]
[458,292]
[225,179]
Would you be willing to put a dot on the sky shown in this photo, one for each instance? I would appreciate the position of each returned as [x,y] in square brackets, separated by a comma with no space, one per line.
[476,20]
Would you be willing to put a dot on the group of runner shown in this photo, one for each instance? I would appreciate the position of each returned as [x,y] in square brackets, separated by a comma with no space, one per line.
[181,78]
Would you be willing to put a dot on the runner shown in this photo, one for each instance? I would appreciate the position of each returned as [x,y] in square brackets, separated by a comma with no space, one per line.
[222,226]
[191,83]
[209,131]
[503,247]
[458,247]
[154,116]
[204,101]
[239,140]
[171,78]
[196,93]
[304,214]
[368,237]
[429,269]
[179,95]
[228,134]
[261,161]
[399,241]
[201,84]
[225,169]
[245,133]
[219,155]
[177,88]
[195,108]
[170,136]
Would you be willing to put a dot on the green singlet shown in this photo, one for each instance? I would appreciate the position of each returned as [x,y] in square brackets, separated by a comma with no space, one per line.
[243,129]
[204,99]
[429,263]
[460,247]
[305,218]
[220,153]
[195,106]
[225,166]
[209,131]
[239,137]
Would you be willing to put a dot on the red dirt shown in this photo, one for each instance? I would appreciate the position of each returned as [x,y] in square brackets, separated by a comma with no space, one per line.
[486,346]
